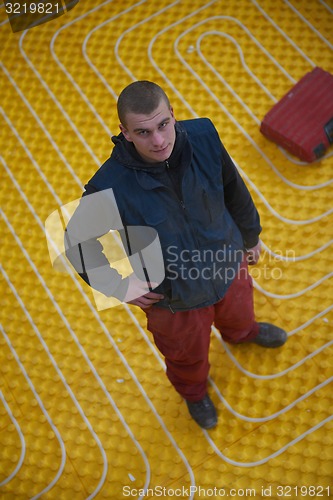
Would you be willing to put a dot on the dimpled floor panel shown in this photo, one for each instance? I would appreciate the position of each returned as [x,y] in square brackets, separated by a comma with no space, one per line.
[86,410]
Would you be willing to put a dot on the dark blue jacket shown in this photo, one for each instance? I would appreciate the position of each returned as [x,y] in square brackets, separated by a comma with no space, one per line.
[198,204]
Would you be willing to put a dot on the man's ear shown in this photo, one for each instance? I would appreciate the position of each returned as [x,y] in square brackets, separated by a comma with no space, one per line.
[125,132]
[172,113]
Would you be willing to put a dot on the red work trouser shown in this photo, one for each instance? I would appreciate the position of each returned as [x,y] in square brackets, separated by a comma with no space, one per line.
[183,337]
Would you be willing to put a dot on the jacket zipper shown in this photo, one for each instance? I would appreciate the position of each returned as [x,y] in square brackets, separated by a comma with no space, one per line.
[182,204]
[206,205]
[172,310]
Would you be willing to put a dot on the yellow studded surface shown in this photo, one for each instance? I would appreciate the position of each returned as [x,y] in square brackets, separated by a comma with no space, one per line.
[86,410]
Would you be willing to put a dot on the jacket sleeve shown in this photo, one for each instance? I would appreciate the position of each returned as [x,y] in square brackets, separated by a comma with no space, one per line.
[94,217]
[239,202]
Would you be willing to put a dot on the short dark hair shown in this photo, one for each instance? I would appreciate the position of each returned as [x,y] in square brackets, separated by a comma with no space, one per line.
[141,97]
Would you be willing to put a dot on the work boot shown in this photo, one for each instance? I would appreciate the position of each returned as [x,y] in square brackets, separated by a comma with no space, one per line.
[203,412]
[270,336]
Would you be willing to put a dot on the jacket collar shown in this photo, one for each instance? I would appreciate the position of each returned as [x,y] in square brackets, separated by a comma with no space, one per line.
[125,153]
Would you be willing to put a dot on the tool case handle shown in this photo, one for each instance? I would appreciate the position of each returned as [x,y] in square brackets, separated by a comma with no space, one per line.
[329,130]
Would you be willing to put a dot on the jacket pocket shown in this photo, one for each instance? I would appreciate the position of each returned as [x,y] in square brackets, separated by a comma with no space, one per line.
[164,227]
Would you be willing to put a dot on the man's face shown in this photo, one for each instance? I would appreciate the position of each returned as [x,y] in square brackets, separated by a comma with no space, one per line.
[153,135]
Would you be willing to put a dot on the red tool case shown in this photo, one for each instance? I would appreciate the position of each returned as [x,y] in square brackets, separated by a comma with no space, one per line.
[302,121]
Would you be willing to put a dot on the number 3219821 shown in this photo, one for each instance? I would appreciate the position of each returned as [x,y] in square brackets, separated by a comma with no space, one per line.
[32,8]
[302,491]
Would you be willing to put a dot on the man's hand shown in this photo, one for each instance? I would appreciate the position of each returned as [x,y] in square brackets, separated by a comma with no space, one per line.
[139,289]
[253,254]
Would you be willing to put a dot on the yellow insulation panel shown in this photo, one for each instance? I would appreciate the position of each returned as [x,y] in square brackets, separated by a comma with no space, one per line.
[86,410]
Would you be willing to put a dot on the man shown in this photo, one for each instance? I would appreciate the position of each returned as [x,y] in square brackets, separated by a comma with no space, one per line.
[177,178]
